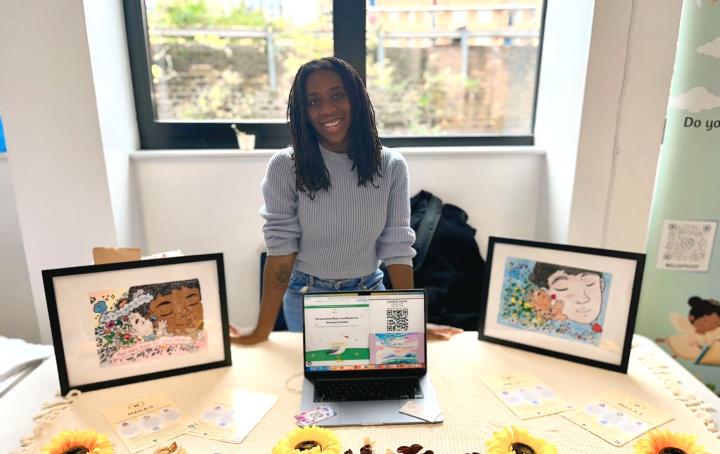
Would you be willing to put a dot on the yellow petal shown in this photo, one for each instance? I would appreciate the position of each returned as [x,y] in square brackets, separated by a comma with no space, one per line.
[66,440]
[329,444]
[658,439]
[503,440]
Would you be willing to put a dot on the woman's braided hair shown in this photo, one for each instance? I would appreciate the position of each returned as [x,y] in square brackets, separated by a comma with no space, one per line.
[311,174]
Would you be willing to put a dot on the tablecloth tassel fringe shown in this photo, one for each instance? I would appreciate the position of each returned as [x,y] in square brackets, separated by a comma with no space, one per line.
[698,408]
[49,411]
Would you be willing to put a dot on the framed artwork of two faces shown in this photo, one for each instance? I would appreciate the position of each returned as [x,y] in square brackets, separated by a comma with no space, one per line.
[120,323]
[571,302]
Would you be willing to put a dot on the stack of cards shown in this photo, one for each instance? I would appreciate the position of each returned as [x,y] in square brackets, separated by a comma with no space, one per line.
[422,410]
[144,423]
[617,417]
[227,416]
[310,417]
[231,415]
[526,395]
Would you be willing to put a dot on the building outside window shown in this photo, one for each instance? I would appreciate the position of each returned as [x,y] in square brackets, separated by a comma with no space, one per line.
[456,71]
[453,67]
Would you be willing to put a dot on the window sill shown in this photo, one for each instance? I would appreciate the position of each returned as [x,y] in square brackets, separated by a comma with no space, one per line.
[408,151]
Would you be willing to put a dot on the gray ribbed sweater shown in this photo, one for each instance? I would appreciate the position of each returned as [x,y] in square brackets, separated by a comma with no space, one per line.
[346,231]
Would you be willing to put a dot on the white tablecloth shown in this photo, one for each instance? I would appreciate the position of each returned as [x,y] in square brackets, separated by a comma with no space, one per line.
[472,412]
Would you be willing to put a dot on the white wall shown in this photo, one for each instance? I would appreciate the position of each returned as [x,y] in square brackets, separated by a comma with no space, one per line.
[204,203]
[600,109]
[563,70]
[653,44]
[604,86]
[116,114]
[19,319]
[57,167]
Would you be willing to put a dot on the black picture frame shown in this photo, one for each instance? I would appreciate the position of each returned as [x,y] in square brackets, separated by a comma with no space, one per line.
[82,359]
[591,325]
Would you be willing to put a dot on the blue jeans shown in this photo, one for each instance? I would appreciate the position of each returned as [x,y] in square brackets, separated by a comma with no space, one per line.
[301,283]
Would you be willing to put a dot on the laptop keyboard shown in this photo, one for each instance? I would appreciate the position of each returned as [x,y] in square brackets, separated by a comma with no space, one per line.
[367,389]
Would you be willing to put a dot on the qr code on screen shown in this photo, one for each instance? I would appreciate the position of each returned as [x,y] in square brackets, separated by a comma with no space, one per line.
[397,319]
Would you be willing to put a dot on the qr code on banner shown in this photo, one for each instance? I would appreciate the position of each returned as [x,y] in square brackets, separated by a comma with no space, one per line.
[397,319]
[686,245]
[687,242]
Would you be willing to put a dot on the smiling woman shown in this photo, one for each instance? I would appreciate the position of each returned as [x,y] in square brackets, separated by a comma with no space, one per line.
[328,96]
[337,203]
[329,110]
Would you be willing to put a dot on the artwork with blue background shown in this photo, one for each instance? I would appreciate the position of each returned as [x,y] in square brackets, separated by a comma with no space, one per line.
[555,300]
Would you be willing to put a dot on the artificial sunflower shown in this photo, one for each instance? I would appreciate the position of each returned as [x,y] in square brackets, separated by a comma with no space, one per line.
[665,442]
[308,440]
[514,440]
[78,442]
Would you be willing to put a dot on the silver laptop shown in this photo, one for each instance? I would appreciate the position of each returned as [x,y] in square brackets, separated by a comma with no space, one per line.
[365,356]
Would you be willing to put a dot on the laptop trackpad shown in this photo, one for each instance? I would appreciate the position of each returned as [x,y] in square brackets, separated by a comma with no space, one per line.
[370,413]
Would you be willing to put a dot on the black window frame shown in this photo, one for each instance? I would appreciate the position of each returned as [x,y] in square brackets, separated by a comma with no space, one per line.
[217,134]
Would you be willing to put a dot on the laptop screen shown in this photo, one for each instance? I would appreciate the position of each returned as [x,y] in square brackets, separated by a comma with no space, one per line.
[365,331]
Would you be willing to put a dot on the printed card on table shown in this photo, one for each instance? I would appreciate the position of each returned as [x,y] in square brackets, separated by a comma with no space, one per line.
[420,409]
[144,423]
[230,416]
[312,417]
[526,395]
[617,417]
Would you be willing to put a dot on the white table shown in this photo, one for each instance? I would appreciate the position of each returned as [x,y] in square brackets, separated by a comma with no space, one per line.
[456,365]
[24,400]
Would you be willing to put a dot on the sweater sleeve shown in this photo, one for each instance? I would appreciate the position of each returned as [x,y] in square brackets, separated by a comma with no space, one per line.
[282,227]
[396,240]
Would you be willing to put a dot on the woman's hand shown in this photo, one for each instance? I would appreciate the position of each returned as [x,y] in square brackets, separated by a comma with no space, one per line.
[276,276]
[441,332]
[253,337]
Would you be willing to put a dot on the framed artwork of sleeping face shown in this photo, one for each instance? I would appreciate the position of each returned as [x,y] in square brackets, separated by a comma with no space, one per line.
[119,323]
[571,302]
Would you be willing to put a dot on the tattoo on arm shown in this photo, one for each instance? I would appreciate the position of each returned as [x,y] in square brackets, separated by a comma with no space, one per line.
[282,277]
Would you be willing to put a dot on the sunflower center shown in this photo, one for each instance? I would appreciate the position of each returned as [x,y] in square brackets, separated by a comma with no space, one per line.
[522,448]
[671,450]
[307,445]
[78,450]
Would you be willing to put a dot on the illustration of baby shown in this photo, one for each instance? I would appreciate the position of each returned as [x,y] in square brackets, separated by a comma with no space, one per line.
[143,328]
[546,307]
[697,335]
[567,293]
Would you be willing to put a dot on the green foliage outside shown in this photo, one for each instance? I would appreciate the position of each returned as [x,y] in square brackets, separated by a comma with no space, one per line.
[230,90]
[201,14]
[206,76]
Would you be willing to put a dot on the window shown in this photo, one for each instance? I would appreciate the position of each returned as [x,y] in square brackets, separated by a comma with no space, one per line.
[460,68]
[438,71]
